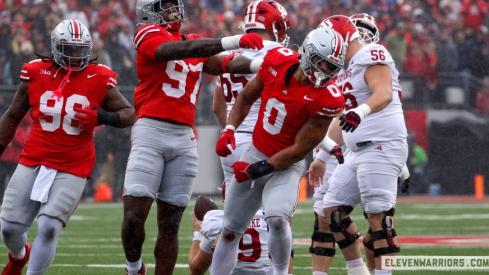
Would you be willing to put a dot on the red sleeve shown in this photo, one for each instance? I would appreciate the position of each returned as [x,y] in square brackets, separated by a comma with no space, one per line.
[24,73]
[148,38]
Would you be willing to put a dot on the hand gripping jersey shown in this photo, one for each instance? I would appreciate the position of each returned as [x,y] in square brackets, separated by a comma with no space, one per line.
[55,140]
[284,109]
[232,84]
[253,249]
[386,125]
[166,89]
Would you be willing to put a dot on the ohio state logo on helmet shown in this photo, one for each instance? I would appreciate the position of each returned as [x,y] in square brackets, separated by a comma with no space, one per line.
[268,15]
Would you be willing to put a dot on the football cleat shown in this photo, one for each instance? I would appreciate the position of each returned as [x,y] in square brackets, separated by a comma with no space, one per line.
[141,271]
[15,266]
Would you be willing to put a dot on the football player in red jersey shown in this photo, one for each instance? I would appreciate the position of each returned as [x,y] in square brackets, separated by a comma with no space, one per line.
[67,96]
[298,104]
[163,159]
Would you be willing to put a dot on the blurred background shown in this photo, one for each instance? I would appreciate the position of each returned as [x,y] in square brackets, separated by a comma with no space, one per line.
[441,49]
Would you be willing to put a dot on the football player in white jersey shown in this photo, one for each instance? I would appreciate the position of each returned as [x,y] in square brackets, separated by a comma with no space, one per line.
[253,256]
[374,130]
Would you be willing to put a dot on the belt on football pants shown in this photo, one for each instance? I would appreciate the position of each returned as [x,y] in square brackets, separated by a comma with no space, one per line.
[244,132]
[166,120]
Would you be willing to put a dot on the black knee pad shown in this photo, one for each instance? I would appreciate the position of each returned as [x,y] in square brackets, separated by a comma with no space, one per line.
[339,225]
[387,233]
[324,238]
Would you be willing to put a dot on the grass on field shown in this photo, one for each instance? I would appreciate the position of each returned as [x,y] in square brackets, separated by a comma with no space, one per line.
[90,244]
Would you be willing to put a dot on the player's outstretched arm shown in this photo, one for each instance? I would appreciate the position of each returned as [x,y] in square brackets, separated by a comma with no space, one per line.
[219,64]
[205,47]
[308,137]
[12,117]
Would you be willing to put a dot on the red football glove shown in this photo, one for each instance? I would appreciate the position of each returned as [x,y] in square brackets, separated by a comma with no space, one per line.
[241,171]
[251,41]
[227,137]
[88,118]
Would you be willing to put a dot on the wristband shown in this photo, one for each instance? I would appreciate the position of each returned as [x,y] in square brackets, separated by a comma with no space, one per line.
[362,110]
[197,236]
[260,169]
[230,42]
[230,127]
[404,173]
[327,144]
[255,65]
[322,155]
[107,118]
[225,62]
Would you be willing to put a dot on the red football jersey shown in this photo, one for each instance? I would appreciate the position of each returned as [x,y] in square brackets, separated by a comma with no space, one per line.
[166,89]
[284,110]
[55,140]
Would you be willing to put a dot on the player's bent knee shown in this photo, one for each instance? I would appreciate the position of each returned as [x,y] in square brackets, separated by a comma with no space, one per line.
[341,225]
[388,233]
[369,244]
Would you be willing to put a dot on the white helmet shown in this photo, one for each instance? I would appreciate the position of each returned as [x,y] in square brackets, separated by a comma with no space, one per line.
[328,45]
[367,27]
[71,44]
[152,12]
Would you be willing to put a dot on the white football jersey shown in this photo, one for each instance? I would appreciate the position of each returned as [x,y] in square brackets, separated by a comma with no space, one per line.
[232,84]
[386,125]
[253,249]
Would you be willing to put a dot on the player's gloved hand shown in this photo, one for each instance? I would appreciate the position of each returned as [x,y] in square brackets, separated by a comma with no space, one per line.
[404,179]
[244,171]
[227,137]
[352,118]
[241,171]
[251,41]
[247,41]
[338,154]
[404,184]
[88,118]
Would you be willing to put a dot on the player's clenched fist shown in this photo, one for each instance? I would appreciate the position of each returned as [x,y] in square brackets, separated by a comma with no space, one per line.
[227,137]
[241,171]
[247,41]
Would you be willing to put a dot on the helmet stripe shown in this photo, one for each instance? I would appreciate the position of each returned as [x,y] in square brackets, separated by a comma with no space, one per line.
[76,28]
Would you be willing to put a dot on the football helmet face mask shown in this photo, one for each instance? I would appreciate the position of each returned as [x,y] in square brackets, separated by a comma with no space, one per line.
[367,27]
[268,15]
[71,44]
[343,25]
[322,45]
[166,13]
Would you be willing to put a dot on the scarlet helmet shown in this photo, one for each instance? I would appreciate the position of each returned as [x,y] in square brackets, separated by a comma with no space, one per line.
[367,27]
[71,44]
[153,12]
[329,46]
[343,25]
[268,15]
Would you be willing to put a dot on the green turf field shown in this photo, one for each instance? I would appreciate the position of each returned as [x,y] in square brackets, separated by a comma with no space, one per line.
[91,244]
